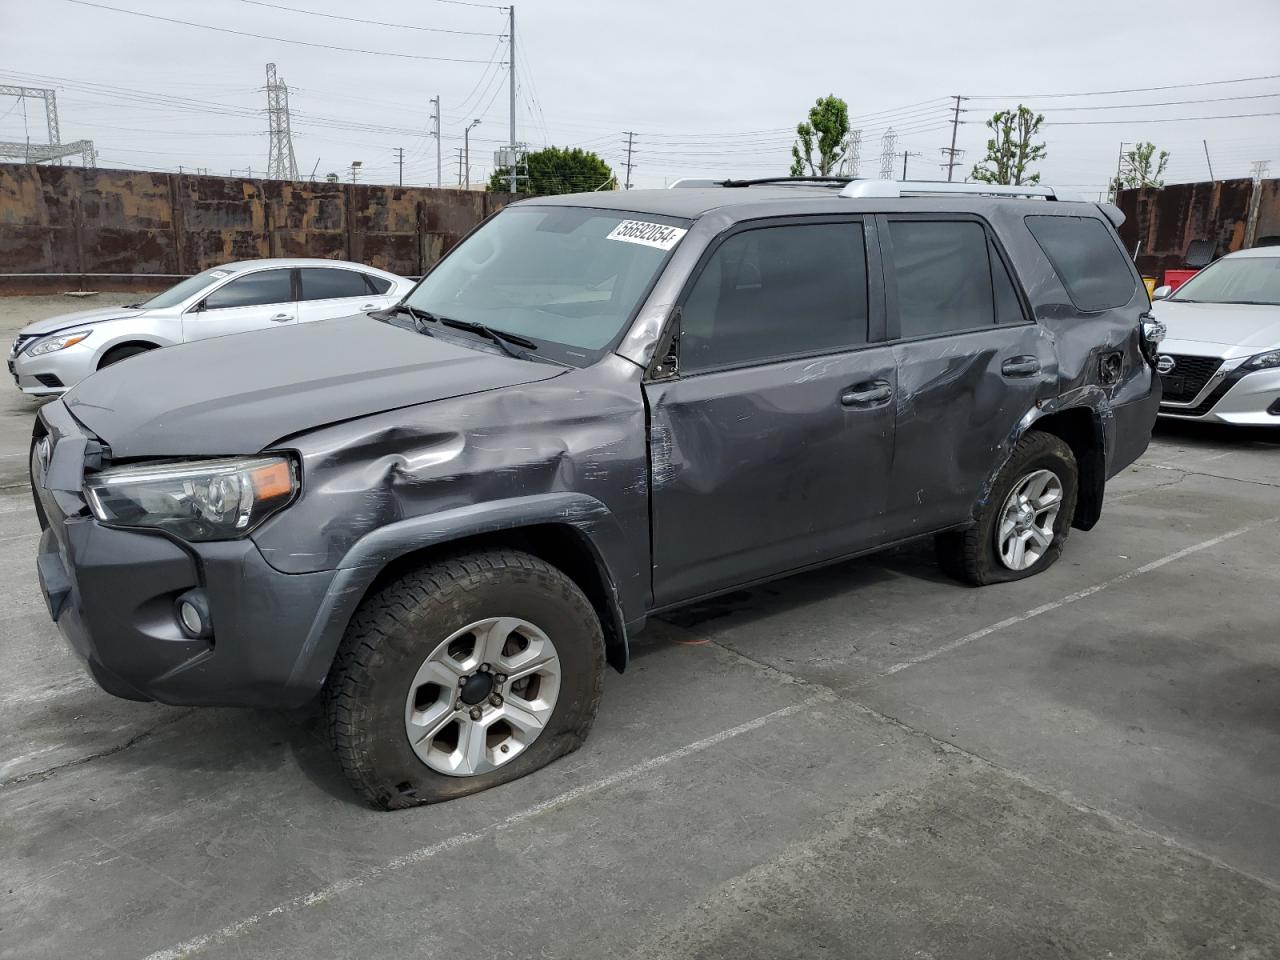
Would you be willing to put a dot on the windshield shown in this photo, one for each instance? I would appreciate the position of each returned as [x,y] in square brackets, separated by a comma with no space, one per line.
[187,288]
[1235,280]
[568,278]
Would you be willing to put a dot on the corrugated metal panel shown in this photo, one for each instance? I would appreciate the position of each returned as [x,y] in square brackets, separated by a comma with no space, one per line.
[69,220]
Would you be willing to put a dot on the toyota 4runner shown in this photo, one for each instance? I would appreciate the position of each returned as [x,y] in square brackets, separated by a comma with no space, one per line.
[447,517]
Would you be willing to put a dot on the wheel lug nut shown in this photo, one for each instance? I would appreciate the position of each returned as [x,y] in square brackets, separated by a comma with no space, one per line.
[504,748]
[476,713]
[501,678]
[462,681]
[484,668]
[495,700]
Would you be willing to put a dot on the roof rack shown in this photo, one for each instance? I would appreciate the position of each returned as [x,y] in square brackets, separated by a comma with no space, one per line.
[759,181]
[879,189]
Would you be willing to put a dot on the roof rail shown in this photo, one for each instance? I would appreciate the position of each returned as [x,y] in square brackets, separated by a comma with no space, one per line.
[694,182]
[878,189]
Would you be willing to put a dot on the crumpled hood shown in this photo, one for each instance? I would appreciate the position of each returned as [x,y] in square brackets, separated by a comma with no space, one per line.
[1241,329]
[81,318]
[239,394]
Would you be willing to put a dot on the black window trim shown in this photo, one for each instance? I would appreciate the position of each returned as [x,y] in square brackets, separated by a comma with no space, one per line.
[1115,241]
[893,321]
[875,291]
[200,305]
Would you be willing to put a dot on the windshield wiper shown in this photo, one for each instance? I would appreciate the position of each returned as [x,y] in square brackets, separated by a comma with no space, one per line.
[509,342]
[419,317]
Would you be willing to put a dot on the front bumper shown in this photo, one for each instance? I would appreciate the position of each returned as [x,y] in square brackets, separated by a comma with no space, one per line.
[1240,397]
[112,593]
[52,373]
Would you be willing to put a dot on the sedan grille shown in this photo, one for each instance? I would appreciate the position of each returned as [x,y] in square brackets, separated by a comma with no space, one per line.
[1188,376]
[20,343]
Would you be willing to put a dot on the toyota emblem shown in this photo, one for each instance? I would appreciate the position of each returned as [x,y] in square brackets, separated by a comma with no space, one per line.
[1165,363]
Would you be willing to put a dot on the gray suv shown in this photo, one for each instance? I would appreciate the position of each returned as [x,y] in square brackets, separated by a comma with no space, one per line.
[445,518]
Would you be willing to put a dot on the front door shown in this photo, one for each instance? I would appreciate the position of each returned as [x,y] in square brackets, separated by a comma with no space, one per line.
[252,301]
[971,364]
[771,448]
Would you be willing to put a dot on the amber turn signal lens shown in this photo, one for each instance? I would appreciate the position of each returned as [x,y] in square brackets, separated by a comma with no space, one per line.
[274,480]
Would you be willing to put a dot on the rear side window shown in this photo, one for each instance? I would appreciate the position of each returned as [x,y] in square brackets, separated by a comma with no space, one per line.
[777,292]
[1095,271]
[326,283]
[377,284]
[943,274]
[252,290]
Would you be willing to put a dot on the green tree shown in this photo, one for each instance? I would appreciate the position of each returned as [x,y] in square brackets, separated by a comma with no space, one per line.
[828,125]
[555,170]
[1010,151]
[1141,167]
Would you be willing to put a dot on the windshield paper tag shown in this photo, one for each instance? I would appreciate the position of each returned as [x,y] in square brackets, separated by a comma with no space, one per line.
[650,234]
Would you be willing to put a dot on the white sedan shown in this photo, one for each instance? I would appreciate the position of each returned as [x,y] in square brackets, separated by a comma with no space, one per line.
[1220,360]
[51,356]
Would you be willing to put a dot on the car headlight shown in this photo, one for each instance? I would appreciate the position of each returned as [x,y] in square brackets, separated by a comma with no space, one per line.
[1263,361]
[60,342]
[194,499]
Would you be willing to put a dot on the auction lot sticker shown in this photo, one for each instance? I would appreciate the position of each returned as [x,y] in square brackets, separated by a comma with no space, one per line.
[650,234]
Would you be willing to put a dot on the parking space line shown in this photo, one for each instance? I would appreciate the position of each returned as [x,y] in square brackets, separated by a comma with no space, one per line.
[1079,595]
[195,945]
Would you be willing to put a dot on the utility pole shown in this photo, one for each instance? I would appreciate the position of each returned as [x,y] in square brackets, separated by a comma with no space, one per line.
[435,101]
[951,152]
[355,169]
[631,137]
[1255,202]
[466,146]
[1207,160]
[511,47]
[906,154]
[459,149]
[400,157]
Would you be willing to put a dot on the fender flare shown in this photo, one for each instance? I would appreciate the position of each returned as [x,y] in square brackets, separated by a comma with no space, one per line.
[1092,476]
[369,556]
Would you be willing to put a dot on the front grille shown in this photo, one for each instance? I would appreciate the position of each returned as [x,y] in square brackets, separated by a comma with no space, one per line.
[1188,377]
[20,343]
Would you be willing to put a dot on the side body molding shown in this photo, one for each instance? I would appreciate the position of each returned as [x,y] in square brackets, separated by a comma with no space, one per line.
[590,519]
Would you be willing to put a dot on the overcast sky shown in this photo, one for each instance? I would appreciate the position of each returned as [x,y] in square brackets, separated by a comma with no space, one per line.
[711,87]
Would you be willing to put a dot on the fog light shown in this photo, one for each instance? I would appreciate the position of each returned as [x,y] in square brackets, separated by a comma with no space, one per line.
[193,614]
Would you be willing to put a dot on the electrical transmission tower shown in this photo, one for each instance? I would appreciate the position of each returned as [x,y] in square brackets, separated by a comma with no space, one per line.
[54,149]
[888,149]
[852,154]
[281,164]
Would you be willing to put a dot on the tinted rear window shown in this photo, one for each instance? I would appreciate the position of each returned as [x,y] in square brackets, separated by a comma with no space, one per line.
[326,283]
[1095,271]
[944,277]
[379,284]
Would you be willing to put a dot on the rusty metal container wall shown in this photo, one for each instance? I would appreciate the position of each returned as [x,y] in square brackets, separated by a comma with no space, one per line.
[68,220]
[1165,221]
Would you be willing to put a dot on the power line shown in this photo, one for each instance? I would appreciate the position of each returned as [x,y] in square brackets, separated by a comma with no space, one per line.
[261,36]
[376,23]
[1104,93]
[1224,116]
[1166,103]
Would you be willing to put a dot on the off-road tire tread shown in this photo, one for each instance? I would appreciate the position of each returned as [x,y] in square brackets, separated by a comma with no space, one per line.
[377,615]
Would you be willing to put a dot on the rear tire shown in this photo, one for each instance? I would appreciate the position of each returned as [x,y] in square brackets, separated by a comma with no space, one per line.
[426,626]
[1033,499]
[116,354]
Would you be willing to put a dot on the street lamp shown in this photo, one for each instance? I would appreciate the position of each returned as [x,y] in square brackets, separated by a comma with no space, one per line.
[466,143]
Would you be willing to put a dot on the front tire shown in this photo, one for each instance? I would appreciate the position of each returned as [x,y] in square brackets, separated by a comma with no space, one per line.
[462,675]
[1022,526]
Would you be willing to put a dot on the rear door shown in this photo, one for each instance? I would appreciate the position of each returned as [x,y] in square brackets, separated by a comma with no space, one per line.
[770,449]
[971,364]
[328,292]
[250,301]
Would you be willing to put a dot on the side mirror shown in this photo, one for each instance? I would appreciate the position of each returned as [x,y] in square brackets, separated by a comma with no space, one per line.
[1160,293]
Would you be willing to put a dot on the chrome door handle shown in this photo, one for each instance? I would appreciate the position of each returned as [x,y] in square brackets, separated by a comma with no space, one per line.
[281,317]
[866,394]
[1020,367]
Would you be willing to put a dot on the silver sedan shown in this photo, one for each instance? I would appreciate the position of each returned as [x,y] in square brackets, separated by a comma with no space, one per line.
[51,356]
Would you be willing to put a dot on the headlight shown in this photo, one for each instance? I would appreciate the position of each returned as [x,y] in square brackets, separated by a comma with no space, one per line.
[1263,361]
[195,499]
[60,342]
